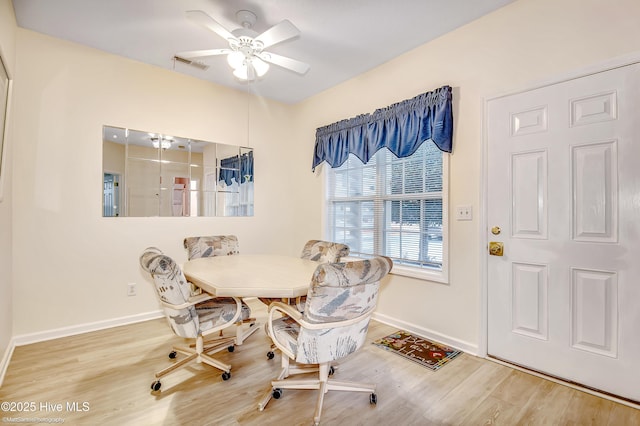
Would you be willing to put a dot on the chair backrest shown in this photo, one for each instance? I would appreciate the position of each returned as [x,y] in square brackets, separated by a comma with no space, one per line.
[340,292]
[324,251]
[171,287]
[208,246]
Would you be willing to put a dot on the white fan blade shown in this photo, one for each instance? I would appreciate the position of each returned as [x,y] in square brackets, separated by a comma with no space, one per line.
[285,30]
[284,62]
[201,18]
[203,53]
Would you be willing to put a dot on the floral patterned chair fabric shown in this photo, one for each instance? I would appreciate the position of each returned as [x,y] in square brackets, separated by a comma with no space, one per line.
[218,245]
[190,316]
[215,245]
[340,302]
[324,251]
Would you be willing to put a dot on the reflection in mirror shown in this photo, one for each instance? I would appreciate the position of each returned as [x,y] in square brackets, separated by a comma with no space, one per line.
[151,174]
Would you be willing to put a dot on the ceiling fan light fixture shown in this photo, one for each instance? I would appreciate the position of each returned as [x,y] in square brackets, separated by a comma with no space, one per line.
[235,59]
[260,66]
[164,143]
[242,73]
[246,55]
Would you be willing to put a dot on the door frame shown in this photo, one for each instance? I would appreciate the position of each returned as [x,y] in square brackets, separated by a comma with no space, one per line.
[602,66]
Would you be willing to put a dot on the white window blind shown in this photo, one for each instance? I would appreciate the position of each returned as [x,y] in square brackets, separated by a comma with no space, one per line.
[391,206]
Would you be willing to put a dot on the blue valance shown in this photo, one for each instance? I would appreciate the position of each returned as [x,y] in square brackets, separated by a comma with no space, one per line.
[401,127]
[238,168]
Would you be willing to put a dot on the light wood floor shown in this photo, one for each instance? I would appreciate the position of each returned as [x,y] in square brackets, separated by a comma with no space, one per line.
[111,370]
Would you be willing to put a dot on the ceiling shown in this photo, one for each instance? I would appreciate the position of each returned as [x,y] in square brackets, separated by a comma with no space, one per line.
[340,39]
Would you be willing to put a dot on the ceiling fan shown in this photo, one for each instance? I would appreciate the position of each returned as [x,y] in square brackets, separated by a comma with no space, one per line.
[246,54]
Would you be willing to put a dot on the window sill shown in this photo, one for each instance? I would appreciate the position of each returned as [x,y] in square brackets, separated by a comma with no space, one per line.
[421,274]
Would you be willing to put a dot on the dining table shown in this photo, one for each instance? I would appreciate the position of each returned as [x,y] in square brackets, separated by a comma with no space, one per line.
[251,275]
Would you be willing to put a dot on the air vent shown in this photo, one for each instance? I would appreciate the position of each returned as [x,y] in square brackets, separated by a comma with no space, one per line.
[196,64]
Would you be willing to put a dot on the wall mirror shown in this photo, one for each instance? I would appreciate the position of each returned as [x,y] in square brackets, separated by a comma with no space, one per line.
[152,174]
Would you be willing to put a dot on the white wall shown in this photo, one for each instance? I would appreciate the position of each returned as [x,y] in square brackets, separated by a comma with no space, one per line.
[71,266]
[7,48]
[527,41]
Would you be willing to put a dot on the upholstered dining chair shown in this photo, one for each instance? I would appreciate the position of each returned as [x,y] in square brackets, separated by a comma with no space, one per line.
[208,246]
[324,251]
[318,251]
[340,302]
[221,245]
[191,317]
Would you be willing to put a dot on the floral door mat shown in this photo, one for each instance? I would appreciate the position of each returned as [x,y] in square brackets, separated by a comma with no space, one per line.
[424,352]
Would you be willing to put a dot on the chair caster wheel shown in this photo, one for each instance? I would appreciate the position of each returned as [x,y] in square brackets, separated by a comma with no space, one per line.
[231,348]
[373,399]
[332,371]
[226,375]
[173,354]
[155,386]
[277,393]
[270,355]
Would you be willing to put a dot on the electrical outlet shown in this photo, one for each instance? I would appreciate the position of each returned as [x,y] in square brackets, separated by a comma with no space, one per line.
[464,213]
[131,289]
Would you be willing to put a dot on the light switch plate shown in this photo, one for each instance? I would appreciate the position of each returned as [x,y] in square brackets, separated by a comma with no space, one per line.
[464,213]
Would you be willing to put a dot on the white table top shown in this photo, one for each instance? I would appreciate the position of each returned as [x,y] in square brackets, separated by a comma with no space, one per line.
[249,275]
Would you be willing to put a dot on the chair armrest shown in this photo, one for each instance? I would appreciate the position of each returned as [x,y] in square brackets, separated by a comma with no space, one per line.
[193,300]
[333,324]
[235,319]
[285,309]
[294,314]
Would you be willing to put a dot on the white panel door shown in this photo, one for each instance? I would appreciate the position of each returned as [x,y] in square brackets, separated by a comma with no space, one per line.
[564,191]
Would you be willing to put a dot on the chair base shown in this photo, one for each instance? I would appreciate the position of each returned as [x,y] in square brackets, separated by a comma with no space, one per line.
[285,372]
[323,384]
[199,352]
[323,388]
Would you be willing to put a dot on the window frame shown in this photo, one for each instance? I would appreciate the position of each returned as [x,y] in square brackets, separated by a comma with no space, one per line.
[426,274]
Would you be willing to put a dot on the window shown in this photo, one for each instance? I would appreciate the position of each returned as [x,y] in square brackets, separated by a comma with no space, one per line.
[394,207]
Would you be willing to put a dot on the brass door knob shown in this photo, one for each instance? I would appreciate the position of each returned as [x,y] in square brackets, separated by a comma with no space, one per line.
[496,248]
[495,230]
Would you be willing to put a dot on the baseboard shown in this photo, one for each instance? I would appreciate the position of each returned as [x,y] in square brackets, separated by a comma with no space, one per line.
[26,339]
[4,364]
[461,345]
